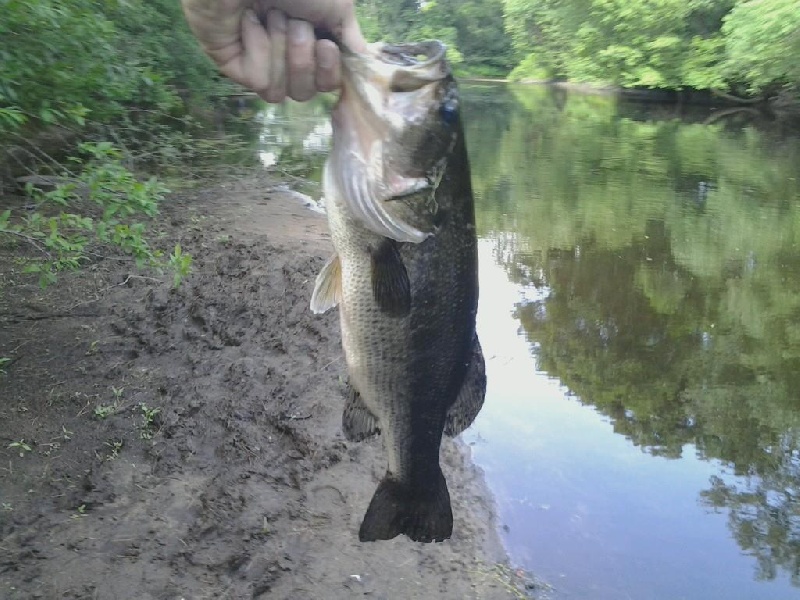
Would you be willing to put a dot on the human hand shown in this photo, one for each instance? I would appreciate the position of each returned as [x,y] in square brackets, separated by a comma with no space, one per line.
[269,45]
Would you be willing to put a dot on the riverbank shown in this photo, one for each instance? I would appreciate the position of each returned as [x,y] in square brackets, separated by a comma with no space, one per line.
[186,443]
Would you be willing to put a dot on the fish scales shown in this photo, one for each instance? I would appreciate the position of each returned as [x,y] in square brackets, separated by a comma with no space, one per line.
[400,209]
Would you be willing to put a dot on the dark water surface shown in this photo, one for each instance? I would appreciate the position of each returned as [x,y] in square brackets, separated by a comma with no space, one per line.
[640,315]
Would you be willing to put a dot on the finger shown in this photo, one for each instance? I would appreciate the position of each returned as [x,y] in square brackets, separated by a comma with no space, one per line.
[337,15]
[300,59]
[250,66]
[328,73]
[276,30]
[350,30]
[215,23]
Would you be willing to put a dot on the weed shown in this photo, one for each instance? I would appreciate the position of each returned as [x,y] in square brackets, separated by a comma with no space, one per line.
[115,447]
[49,448]
[6,507]
[104,410]
[181,265]
[4,361]
[80,512]
[148,421]
[197,223]
[22,446]
[99,203]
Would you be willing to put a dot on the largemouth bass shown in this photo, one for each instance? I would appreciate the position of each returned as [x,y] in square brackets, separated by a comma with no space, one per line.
[400,209]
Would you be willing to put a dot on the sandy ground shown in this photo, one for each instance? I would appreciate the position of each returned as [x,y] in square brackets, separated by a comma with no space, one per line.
[160,443]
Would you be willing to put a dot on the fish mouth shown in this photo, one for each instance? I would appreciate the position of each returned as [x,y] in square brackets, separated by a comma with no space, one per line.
[395,67]
[416,55]
[386,91]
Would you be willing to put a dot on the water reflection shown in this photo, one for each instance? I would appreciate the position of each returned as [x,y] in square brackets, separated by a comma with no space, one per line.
[667,256]
[639,276]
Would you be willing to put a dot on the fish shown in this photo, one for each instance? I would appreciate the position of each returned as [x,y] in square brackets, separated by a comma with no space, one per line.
[404,275]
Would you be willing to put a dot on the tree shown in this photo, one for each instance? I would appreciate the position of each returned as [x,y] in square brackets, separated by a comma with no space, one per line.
[762,44]
[472,29]
[667,44]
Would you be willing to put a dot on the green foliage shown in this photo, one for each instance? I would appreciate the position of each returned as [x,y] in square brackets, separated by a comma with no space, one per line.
[472,30]
[100,203]
[763,43]
[180,264]
[149,421]
[668,44]
[99,57]
[529,69]
[21,446]
[103,411]
[127,71]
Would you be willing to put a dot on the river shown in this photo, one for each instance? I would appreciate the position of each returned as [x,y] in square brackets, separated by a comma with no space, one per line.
[640,316]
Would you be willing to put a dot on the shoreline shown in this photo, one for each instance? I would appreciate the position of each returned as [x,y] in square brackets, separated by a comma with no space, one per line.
[240,482]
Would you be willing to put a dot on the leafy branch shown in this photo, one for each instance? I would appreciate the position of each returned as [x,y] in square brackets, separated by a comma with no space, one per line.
[101,203]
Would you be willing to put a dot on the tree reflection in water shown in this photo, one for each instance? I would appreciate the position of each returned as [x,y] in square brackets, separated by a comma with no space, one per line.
[678,319]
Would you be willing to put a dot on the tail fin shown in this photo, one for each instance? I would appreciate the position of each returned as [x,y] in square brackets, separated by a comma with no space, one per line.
[422,513]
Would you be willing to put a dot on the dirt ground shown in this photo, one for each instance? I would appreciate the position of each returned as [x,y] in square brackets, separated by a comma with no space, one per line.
[160,443]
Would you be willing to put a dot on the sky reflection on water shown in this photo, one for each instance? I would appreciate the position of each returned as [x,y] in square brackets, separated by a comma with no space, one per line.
[582,508]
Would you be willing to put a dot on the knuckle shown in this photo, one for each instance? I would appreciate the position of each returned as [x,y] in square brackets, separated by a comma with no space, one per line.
[300,62]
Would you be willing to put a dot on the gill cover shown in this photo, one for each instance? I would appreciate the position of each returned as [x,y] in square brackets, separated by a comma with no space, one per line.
[385,92]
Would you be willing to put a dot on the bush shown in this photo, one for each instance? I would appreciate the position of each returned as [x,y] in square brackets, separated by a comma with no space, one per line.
[101,203]
[529,69]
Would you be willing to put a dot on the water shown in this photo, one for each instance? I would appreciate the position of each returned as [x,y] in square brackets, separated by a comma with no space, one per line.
[640,315]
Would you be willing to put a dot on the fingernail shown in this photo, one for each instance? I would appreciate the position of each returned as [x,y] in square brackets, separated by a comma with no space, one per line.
[300,32]
[276,21]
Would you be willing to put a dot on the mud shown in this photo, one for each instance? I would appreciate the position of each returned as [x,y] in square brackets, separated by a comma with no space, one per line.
[166,443]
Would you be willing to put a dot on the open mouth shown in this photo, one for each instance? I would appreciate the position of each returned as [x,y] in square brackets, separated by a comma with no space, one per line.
[418,54]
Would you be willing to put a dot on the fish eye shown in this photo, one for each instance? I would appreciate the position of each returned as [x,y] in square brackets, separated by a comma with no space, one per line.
[449,112]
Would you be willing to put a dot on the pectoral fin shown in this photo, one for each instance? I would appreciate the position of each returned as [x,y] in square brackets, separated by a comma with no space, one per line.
[328,287]
[390,285]
[358,423]
[470,399]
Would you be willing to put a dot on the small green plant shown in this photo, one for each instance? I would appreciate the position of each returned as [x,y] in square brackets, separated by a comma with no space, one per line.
[103,411]
[80,512]
[197,223]
[6,506]
[4,361]
[115,446]
[146,430]
[22,446]
[181,265]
